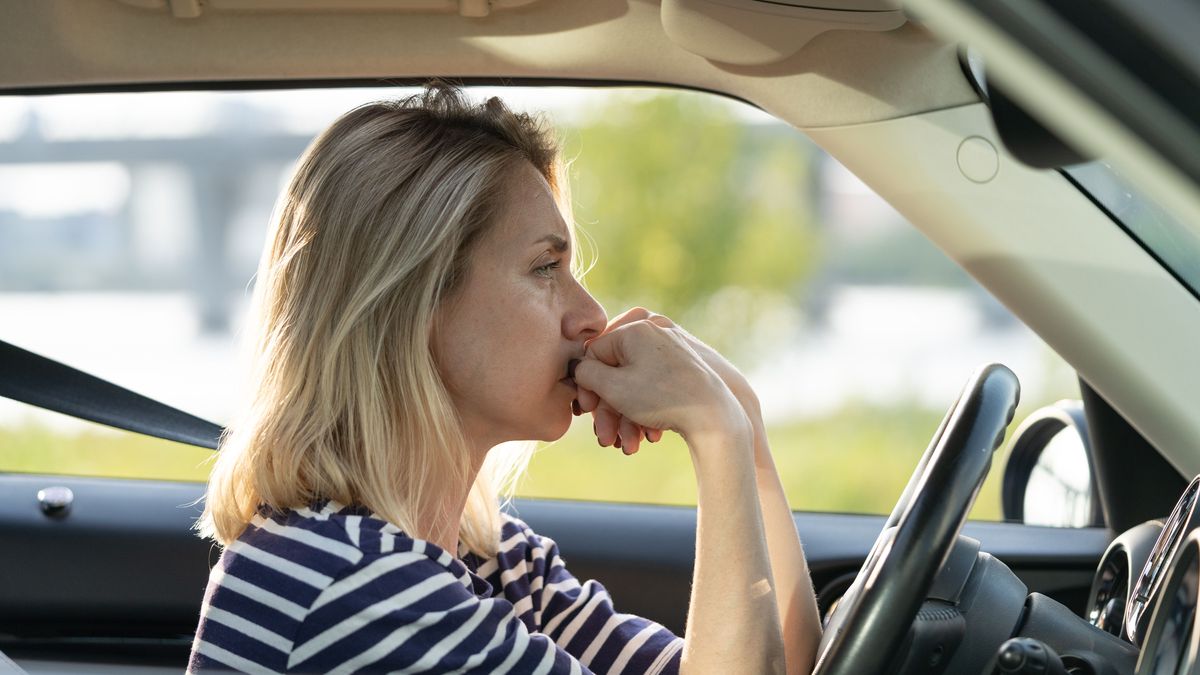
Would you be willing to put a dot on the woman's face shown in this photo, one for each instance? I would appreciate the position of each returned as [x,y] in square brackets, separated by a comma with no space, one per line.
[505,338]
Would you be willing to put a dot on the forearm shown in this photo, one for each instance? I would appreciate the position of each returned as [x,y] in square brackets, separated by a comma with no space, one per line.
[732,624]
[793,584]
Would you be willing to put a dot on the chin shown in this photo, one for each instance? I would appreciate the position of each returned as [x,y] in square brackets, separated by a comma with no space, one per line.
[558,424]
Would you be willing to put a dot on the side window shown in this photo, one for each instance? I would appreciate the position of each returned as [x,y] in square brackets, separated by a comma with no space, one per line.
[131,225]
[855,331]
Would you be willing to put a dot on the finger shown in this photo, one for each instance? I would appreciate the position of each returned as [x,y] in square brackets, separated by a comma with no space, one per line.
[606,424]
[618,347]
[654,435]
[625,318]
[610,346]
[628,316]
[660,320]
[607,348]
[588,399]
[637,314]
[653,317]
[597,373]
[631,436]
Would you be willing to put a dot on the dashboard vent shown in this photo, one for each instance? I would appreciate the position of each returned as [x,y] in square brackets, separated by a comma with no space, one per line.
[1110,588]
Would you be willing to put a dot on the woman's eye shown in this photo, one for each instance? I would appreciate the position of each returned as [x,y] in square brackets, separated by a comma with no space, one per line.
[547,270]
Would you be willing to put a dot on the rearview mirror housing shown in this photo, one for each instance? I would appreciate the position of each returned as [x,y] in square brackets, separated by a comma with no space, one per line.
[1024,137]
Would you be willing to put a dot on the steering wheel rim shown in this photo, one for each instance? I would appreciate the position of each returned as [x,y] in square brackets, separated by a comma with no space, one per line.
[872,619]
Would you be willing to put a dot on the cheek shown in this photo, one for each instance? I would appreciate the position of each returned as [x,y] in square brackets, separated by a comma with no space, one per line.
[505,342]
[503,349]
[527,323]
[524,354]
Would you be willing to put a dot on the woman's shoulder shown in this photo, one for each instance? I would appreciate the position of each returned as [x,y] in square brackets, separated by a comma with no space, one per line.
[522,552]
[326,540]
[297,577]
[308,553]
[517,536]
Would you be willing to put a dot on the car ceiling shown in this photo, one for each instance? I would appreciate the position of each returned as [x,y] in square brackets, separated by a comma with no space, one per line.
[839,77]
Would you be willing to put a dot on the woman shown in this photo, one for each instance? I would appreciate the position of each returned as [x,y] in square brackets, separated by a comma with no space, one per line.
[416,310]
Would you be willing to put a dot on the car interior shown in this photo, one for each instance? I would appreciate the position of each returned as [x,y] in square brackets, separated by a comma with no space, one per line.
[1096,567]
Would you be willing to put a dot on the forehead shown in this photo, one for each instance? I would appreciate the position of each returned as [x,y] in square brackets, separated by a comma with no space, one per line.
[529,211]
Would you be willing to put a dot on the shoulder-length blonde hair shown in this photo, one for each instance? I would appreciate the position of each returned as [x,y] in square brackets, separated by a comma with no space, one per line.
[374,232]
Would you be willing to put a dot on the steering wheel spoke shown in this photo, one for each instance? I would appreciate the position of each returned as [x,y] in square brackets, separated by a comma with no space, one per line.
[872,619]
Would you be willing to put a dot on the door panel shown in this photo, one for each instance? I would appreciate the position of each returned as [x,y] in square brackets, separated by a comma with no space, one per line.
[649,573]
[121,577]
[123,559]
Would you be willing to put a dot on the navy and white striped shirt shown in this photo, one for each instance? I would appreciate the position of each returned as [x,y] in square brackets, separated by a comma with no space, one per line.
[333,589]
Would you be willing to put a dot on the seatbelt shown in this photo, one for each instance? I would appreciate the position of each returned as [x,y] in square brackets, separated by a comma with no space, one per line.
[46,383]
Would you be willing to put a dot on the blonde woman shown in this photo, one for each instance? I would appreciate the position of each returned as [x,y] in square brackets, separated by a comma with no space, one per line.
[416,310]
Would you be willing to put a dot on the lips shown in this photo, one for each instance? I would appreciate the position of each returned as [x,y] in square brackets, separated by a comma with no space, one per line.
[570,378]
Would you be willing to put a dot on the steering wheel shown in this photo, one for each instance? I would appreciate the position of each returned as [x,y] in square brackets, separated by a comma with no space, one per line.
[872,619]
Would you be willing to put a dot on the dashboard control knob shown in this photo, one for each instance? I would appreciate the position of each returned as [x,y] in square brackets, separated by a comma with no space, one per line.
[1112,616]
[1026,656]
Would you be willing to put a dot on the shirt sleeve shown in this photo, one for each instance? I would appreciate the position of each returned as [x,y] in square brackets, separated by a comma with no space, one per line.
[405,611]
[581,619]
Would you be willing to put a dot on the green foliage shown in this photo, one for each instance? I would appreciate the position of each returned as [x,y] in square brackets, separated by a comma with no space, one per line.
[856,461]
[685,202]
[101,452]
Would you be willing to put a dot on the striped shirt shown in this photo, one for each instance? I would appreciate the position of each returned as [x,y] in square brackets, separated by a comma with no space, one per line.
[332,589]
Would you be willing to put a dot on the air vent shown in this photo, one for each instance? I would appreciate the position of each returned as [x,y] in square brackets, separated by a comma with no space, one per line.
[1110,588]
[1108,602]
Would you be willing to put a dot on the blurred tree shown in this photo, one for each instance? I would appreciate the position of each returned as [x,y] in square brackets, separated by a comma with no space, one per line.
[694,213]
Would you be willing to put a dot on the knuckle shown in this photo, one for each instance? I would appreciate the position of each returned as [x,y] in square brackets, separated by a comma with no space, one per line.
[640,327]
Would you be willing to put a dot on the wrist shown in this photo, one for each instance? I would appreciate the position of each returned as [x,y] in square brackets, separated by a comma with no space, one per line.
[727,433]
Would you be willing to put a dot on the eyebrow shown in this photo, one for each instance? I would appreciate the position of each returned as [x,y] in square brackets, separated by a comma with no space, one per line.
[560,245]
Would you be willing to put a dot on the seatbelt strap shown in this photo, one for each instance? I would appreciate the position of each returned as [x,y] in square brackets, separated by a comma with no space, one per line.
[46,383]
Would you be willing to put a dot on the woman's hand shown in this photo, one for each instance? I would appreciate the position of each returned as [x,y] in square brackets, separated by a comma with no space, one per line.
[651,377]
[613,428]
[644,372]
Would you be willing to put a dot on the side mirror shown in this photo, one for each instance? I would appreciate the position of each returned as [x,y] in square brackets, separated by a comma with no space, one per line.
[1049,479]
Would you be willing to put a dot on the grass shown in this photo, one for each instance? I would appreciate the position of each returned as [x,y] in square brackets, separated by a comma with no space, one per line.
[33,448]
[855,461]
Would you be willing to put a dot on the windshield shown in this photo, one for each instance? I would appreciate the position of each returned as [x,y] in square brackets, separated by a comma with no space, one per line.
[1173,243]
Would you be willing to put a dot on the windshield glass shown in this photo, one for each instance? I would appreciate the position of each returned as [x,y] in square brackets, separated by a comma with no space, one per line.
[131,226]
[1169,240]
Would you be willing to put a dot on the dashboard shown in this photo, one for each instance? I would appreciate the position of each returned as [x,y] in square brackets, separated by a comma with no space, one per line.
[1146,589]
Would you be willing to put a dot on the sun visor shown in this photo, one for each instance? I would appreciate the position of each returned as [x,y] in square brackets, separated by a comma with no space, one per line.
[758,32]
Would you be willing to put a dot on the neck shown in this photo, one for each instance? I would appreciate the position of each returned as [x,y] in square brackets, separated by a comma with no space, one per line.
[449,511]
[445,529]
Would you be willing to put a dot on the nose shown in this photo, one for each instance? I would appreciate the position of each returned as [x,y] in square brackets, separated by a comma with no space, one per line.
[585,318]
